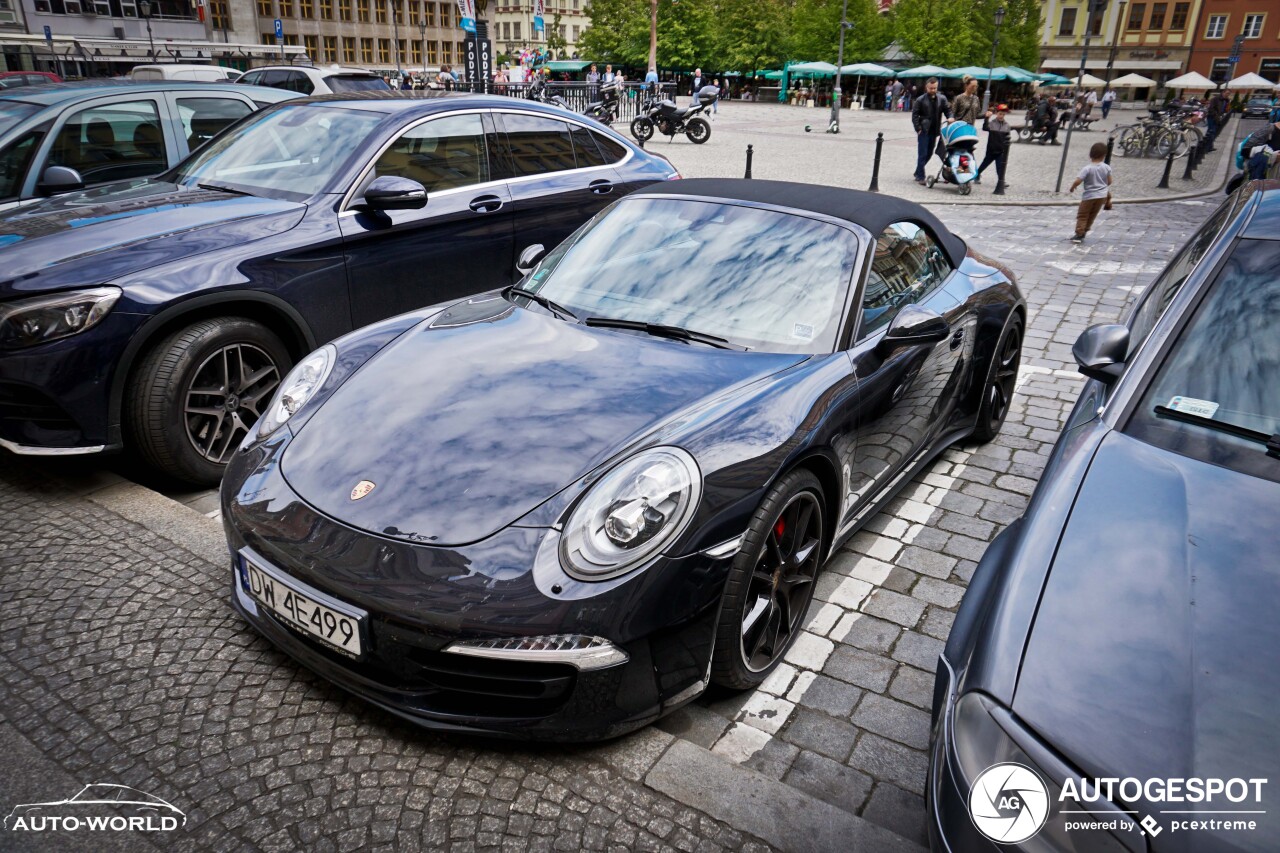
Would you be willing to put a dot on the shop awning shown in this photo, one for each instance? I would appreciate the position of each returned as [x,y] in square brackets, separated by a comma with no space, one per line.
[571,65]
[1100,64]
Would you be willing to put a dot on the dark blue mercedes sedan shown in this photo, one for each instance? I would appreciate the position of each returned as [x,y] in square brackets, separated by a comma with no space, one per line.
[1110,680]
[160,313]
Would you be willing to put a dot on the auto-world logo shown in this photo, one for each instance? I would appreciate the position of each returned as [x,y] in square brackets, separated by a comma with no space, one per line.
[1009,803]
[97,808]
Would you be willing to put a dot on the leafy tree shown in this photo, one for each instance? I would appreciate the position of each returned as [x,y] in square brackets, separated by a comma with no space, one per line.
[556,42]
[939,32]
[619,32]
[685,35]
[815,31]
[749,34]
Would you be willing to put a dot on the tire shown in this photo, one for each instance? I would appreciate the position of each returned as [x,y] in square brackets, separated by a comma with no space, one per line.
[930,181]
[698,130]
[966,189]
[1130,142]
[184,418]
[998,387]
[787,524]
[1025,134]
[642,129]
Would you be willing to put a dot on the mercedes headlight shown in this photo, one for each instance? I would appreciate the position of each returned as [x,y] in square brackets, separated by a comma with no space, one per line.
[631,513]
[297,388]
[41,319]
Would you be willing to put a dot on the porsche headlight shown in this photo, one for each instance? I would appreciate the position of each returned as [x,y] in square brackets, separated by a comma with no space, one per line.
[40,319]
[297,388]
[631,513]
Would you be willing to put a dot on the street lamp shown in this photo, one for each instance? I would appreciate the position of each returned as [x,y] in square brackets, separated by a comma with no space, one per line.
[395,25]
[1115,41]
[834,126]
[995,41]
[145,8]
[422,33]
[1096,7]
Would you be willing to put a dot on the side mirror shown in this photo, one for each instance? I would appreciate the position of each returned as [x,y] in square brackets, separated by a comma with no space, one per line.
[529,258]
[60,179]
[1100,351]
[914,325]
[391,193]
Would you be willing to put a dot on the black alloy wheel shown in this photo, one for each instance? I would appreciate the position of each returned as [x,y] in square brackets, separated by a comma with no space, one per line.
[771,584]
[1002,379]
[642,128]
[199,392]
[698,130]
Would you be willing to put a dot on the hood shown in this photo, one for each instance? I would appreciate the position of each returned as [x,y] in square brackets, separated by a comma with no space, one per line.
[1153,651]
[469,422]
[98,235]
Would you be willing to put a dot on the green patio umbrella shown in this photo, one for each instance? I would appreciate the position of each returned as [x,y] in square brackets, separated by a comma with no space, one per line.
[769,75]
[980,73]
[812,69]
[867,69]
[1014,74]
[927,71]
[571,65]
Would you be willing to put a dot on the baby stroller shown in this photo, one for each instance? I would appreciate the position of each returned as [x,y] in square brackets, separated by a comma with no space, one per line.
[959,166]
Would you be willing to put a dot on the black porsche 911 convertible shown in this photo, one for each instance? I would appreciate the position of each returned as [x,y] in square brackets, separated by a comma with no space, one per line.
[562,509]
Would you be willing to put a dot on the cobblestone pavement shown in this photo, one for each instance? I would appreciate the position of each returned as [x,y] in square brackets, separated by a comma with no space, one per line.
[123,663]
[783,151]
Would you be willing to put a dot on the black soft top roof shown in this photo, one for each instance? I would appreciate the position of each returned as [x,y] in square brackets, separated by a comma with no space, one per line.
[872,211]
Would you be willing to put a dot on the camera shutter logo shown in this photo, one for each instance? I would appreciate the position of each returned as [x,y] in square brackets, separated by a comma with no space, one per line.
[1009,803]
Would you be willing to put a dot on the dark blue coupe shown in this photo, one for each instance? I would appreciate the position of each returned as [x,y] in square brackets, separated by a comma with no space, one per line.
[161,313]
[561,509]
[1125,628]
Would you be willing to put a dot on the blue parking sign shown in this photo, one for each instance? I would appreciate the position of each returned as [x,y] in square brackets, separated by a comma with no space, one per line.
[279,30]
[48,33]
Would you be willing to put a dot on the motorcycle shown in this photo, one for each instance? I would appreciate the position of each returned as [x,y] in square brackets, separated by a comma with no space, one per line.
[605,110]
[538,91]
[670,119]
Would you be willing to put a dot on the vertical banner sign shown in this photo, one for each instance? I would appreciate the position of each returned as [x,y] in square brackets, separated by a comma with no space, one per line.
[200,10]
[539,9]
[479,65]
[467,15]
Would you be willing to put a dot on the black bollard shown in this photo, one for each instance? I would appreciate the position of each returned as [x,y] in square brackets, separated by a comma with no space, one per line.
[1168,167]
[875,165]
[1200,153]
[749,152]
[1111,145]
[1191,163]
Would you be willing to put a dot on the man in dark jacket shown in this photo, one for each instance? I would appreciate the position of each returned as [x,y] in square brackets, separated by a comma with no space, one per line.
[927,114]
[1216,114]
[1047,120]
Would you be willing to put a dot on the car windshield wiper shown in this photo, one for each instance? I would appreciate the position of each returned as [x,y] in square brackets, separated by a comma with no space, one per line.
[660,331]
[223,188]
[554,307]
[1271,442]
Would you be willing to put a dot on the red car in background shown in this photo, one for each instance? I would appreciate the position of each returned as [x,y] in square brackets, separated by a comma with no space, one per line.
[14,79]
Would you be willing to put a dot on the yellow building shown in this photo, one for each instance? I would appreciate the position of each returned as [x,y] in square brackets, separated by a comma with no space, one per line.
[1152,39]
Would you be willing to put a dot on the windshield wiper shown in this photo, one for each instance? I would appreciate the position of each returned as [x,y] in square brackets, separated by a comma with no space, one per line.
[222,188]
[660,331]
[1271,442]
[554,307]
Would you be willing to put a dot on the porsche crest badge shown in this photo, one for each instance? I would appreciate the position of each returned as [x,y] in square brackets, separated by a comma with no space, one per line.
[362,488]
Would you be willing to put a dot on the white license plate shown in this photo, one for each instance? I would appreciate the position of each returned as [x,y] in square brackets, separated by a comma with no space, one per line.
[333,624]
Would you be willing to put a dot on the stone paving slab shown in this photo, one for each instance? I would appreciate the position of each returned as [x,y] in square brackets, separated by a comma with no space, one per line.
[782,150]
[123,661]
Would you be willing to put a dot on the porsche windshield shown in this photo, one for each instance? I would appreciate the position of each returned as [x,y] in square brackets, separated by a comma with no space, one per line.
[291,152]
[761,279]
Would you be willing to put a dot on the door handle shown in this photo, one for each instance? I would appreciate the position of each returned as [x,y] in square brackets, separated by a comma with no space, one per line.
[486,204]
[957,339]
[601,187]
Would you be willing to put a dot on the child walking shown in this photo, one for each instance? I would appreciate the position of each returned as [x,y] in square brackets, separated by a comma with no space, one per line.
[1096,178]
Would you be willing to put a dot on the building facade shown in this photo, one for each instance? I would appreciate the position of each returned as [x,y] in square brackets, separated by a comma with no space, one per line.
[1153,39]
[511,28]
[1221,22]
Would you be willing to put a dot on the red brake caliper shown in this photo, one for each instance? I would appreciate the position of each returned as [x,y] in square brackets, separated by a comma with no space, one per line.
[779,528]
